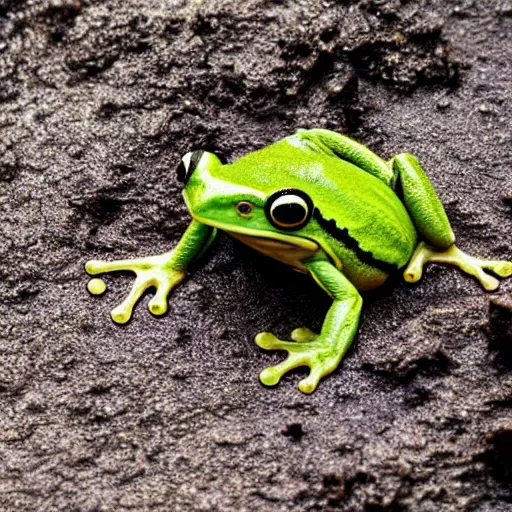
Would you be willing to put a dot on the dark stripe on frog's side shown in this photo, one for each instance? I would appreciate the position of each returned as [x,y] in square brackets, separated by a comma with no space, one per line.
[343,236]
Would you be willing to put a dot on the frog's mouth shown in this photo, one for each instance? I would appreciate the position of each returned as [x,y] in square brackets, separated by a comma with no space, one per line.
[290,254]
[291,250]
[288,240]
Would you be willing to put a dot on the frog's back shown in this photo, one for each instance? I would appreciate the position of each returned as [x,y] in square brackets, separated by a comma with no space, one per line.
[358,219]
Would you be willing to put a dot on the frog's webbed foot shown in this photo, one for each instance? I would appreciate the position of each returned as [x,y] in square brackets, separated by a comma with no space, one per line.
[425,253]
[151,272]
[308,349]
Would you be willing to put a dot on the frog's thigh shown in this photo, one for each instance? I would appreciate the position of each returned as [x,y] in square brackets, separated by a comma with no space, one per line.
[422,202]
[341,146]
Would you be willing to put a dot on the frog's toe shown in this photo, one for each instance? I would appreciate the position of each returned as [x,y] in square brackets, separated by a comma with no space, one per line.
[157,306]
[500,268]
[488,282]
[310,383]
[272,375]
[269,376]
[303,335]
[93,267]
[412,275]
[414,270]
[121,314]
[475,268]
[321,366]
[96,286]
[267,341]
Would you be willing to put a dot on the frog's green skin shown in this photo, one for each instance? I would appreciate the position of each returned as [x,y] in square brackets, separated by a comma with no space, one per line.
[355,231]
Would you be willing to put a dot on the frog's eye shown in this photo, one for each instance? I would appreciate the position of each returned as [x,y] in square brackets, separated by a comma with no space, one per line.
[188,165]
[190,162]
[289,209]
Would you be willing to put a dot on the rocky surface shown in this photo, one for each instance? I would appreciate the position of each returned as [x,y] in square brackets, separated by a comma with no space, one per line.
[98,101]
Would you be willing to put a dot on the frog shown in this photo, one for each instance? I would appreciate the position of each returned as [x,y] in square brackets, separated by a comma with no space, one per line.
[323,204]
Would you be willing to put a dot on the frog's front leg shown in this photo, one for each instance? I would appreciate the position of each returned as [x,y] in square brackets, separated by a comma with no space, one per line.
[322,353]
[162,272]
[429,217]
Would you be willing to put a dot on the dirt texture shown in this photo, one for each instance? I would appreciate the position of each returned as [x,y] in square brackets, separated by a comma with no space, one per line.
[98,102]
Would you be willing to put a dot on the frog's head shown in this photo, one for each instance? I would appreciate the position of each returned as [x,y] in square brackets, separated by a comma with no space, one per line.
[233,198]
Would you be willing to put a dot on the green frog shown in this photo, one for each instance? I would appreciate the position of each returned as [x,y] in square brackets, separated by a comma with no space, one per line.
[324,205]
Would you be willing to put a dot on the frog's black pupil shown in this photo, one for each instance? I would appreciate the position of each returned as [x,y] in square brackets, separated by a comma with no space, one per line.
[244,208]
[290,213]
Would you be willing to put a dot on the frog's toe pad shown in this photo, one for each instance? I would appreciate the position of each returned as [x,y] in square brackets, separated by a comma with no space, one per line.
[412,275]
[503,268]
[96,286]
[268,341]
[157,307]
[121,314]
[269,376]
[309,384]
[303,335]
[94,267]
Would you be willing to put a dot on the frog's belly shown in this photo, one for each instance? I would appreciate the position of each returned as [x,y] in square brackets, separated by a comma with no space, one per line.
[285,252]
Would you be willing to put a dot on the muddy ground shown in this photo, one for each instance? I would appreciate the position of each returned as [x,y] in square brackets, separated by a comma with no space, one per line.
[98,101]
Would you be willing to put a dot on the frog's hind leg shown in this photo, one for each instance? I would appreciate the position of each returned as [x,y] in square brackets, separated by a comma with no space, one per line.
[425,253]
[429,217]
[341,146]
[422,202]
